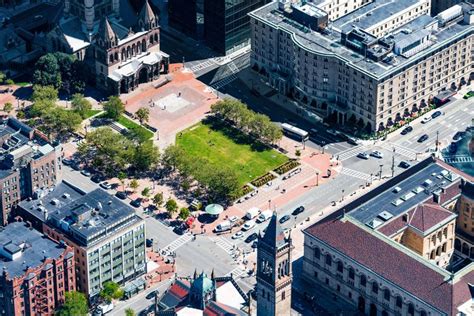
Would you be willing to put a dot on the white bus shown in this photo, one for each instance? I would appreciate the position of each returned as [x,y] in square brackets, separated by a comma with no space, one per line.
[295,132]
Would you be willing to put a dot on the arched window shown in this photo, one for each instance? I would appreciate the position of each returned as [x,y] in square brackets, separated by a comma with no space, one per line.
[328,259]
[457,244]
[116,56]
[386,294]
[422,313]
[443,248]
[445,232]
[340,266]
[398,302]
[123,54]
[143,45]
[156,37]
[375,287]
[317,253]
[438,251]
[411,309]
[432,255]
[465,249]
[111,58]
[440,236]
[151,39]
[351,273]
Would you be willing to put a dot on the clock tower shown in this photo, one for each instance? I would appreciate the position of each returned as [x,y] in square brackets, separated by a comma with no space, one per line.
[274,273]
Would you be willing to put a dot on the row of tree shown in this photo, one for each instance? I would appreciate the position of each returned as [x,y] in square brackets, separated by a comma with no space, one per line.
[62,71]
[220,183]
[111,152]
[248,121]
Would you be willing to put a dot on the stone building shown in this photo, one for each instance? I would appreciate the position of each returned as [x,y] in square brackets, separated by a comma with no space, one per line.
[391,252]
[36,272]
[374,66]
[274,271]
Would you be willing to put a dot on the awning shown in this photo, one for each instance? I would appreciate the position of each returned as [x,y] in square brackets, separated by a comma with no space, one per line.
[214,209]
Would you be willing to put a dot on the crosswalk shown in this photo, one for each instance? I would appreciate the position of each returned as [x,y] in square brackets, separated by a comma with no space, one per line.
[458,159]
[202,65]
[178,242]
[400,150]
[226,245]
[237,273]
[222,83]
[344,155]
[356,174]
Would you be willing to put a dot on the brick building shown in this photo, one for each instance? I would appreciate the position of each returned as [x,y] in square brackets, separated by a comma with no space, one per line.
[29,164]
[36,271]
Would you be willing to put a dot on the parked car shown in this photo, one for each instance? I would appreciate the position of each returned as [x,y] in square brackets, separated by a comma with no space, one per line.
[106,185]
[404,164]
[86,173]
[238,235]
[97,178]
[223,226]
[252,213]
[248,225]
[352,141]
[121,195]
[458,136]
[67,161]
[407,130]
[436,114]
[284,218]
[264,216]
[251,238]
[426,119]
[150,295]
[149,242]
[233,219]
[255,244]
[376,154]
[468,95]
[363,156]
[453,147]
[423,138]
[298,210]
[136,203]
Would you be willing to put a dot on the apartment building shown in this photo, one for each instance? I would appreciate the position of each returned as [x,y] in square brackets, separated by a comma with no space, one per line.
[107,236]
[374,66]
[36,271]
[391,252]
[338,8]
[29,163]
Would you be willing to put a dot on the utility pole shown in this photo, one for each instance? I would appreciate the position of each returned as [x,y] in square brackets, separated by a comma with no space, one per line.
[317,178]
[437,141]
[393,162]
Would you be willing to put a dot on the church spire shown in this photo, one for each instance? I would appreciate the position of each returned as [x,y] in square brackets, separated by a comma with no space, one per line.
[274,235]
[106,33]
[147,18]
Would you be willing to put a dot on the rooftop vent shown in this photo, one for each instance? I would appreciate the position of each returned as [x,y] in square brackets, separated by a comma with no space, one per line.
[417,190]
[54,201]
[407,196]
[396,189]
[374,223]
[66,195]
[427,183]
[385,215]
[397,202]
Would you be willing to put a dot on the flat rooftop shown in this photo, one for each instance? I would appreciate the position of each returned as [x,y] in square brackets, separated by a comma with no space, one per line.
[403,196]
[33,245]
[329,42]
[372,13]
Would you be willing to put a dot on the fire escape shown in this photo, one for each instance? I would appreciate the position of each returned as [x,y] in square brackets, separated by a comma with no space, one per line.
[41,298]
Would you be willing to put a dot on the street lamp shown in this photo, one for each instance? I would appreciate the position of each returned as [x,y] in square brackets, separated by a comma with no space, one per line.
[269,204]
[317,178]
[342,199]
[380,174]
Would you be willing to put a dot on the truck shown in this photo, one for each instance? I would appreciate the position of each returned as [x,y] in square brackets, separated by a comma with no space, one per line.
[104,308]
[252,213]
[223,226]
[264,216]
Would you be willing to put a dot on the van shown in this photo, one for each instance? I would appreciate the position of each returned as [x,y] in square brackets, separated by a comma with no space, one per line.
[264,216]
[104,309]
[223,226]
[252,213]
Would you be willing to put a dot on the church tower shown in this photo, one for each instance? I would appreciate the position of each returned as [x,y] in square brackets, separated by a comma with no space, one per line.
[274,272]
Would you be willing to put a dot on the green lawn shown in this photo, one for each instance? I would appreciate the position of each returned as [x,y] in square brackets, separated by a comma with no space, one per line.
[134,127]
[222,145]
[91,113]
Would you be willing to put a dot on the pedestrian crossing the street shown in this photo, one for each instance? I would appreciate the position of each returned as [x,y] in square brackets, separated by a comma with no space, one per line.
[344,155]
[222,83]
[226,245]
[400,150]
[458,159]
[356,174]
[178,243]
[237,273]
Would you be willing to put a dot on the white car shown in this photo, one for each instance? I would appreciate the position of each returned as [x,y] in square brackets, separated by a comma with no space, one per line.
[426,119]
[238,235]
[233,219]
[248,225]
[377,154]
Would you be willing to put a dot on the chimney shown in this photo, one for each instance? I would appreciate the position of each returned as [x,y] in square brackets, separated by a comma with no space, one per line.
[436,197]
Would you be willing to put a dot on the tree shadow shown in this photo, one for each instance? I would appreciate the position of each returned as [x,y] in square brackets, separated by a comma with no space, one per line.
[205,218]
[23,93]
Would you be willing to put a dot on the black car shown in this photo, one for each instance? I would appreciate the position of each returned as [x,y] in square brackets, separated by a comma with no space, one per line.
[97,178]
[407,130]
[285,218]
[298,210]
[151,295]
[436,114]
[121,195]
[423,138]
[255,244]
[149,242]
[404,164]
[251,238]
[136,202]
[458,136]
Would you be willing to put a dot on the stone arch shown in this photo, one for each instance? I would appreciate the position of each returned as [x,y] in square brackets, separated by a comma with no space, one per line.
[440,235]
[363,280]
[453,86]
[398,117]
[116,56]
[381,126]
[432,255]
[328,259]
[151,39]
[324,106]
[143,75]
[423,313]
[361,304]
[143,45]
[389,122]
[129,55]
[411,309]
[368,127]
[123,54]
[465,249]
[111,58]
[457,244]
[398,301]
[373,310]
[351,273]
[339,266]
[134,50]
[438,251]
[472,253]
[255,67]
[386,294]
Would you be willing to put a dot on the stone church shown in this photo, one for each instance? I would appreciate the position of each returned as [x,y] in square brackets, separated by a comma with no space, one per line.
[119,53]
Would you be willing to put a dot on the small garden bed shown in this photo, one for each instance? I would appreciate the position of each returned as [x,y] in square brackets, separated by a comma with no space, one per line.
[263,179]
[246,189]
[287,166]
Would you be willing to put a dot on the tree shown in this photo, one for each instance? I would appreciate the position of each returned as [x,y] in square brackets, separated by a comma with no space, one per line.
[184,213]
[47,71]
[297,153]
[59,122]
[8,107]
[129,312]
[111,290]
[2,77]
[114,108]
[171,207]
[146,192]
[173,156]
[75,305]
[134,184]
[49,93]
[80,105]
[10,82]
[146,155]
[158,199]
[143,114]
[122,176]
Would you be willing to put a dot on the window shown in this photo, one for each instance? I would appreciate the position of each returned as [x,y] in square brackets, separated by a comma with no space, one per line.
[386,294]
[339,266]
[283,295]
[328,259]
[398,302]
[351,274]
[317,253]
[375,287]
[363,280]
[411,309]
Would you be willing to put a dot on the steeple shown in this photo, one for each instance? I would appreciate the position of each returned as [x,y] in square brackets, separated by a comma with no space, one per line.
[147,18]
[106,34]
[274,235]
